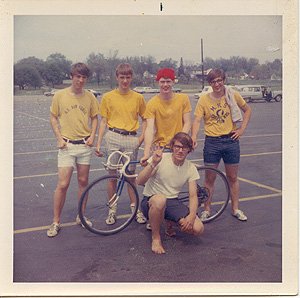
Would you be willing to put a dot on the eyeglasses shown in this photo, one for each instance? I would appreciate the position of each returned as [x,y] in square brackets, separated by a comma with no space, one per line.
[216,81]
[184,148]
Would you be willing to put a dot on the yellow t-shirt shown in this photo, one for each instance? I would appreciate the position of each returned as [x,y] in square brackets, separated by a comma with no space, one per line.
[121,109]
[168,116]
[216,114]
[74,113]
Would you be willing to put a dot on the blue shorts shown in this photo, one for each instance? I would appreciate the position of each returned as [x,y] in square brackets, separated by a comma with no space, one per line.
[216,148]
[175,210]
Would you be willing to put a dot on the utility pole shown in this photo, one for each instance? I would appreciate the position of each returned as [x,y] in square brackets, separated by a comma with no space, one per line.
[202,63]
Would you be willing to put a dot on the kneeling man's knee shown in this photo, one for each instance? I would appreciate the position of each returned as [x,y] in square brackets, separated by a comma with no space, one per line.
[198,228]
[158,201]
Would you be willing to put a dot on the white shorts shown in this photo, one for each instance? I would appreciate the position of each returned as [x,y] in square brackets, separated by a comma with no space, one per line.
[75,154]
[115,141]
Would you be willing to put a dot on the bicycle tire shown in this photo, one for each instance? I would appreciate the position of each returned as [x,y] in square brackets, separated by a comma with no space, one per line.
[97,209]
[221,193]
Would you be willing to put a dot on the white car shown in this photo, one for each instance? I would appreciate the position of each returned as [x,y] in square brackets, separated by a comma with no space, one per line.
[257,92]
[145,90]
[51,93]
[204,91]
[209,89]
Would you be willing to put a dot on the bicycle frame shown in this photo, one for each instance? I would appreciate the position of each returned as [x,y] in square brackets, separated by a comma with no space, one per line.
[121,171]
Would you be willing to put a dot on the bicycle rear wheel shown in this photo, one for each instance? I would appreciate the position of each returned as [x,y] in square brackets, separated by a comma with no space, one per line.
[217,198]
[94,205]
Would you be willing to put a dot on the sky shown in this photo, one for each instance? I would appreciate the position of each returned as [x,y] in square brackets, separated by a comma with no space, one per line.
[162,37]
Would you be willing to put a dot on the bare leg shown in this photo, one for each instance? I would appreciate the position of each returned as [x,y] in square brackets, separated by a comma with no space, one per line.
[157,205]
[209,182]
[170,228]
[197,229]
[83,180]
[64,178]
[231,174]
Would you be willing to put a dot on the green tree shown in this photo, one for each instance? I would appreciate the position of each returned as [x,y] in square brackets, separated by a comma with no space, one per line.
[168,63]
[262,72]
[181,69]
[112,63]
[98,65]
[54,75]
[61,61]
[38,64]
[27,75]
[276,67]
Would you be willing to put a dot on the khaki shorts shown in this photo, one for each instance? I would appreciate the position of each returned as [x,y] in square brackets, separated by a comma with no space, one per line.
[115,141]
[75,154]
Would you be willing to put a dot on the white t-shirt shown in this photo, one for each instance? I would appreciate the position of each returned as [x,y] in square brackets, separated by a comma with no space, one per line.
[169,179]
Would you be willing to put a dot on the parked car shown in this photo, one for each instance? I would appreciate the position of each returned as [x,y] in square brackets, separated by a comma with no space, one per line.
[176,90]
[145,90]
[204,91]
[96,93]
[51,93]
[258,92]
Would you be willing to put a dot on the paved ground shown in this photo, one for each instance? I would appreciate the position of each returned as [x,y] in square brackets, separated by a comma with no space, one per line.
[228,251]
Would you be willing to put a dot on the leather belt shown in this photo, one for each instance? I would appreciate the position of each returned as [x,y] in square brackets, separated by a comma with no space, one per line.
[123,132]
[223,136]
[77,142]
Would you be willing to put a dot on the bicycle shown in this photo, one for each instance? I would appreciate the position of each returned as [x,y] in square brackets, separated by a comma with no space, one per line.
[94,204]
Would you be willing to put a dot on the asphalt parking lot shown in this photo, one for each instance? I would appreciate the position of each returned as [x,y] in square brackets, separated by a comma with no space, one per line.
[229,251]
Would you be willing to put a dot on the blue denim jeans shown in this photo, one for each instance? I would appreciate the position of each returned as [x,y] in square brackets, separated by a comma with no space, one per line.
[217,148]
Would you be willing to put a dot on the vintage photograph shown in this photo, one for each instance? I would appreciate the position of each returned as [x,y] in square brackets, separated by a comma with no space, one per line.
[151,149]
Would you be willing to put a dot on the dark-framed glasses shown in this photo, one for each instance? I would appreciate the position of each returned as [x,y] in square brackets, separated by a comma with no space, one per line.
[184,148]
[216,81]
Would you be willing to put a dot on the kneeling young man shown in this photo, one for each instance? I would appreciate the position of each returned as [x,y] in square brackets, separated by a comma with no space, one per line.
[165,176]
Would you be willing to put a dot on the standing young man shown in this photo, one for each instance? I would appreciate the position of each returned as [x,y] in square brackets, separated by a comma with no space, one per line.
[120,110]
[221,134]
[168,112]
[165,176]
[73,107]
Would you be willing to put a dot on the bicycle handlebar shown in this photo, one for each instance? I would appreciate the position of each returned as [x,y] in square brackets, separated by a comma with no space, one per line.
[121,168]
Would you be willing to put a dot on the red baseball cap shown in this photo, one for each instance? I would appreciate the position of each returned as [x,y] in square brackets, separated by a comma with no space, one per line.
[165,73]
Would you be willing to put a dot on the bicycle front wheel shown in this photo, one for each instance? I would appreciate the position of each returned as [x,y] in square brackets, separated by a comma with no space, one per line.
[217,197]
[100,198]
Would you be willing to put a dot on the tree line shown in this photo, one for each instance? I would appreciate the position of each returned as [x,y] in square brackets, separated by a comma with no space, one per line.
[36,72]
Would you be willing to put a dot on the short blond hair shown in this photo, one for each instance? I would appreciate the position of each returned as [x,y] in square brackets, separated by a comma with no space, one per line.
[124,69]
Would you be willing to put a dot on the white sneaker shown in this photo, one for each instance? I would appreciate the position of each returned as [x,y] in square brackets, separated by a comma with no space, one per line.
[112,215]
[53,230]
[78,221]
[239,214]
[140,218]
[204,215]
[111,218]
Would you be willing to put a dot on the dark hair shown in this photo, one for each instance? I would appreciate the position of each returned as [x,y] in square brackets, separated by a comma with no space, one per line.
[124,69]
[80,68]
[215,73]
[184,139]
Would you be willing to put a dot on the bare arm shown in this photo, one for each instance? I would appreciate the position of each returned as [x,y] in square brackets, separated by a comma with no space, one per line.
[142,136]
[247,115]
[150,170]
[94,124]
[61,143]
[195,130]
[187,223]
[149,131]
[186,119]
[101,132]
